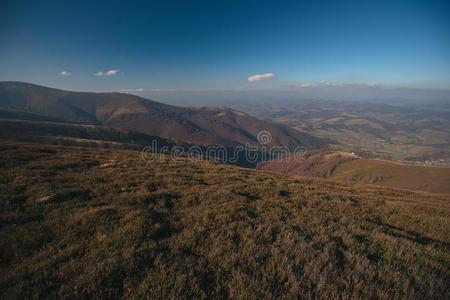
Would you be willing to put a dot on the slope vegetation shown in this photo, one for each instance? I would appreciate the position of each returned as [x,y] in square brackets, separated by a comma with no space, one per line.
[386,173]
[44,132]
[98,223]
[349,167]
[319,163]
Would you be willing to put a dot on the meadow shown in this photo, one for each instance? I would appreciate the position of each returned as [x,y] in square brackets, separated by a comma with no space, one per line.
[103,223]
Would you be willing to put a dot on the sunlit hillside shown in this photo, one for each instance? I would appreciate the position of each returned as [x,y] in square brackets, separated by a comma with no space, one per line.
[96,223]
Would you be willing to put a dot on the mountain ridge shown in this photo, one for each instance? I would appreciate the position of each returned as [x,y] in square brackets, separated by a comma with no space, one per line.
[119,110]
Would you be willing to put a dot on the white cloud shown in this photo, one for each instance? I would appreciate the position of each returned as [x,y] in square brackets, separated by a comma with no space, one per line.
[257,77]
[112,72]
[317,84]
[107,73]
[65,73]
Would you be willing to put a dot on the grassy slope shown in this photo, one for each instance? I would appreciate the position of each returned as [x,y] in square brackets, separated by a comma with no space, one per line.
[433,179]
[94,222]
[319,163]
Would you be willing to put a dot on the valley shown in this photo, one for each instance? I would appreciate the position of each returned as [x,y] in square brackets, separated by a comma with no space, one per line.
[343,141]
[413,134]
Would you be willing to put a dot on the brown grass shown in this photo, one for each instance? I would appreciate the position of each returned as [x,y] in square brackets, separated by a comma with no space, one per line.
[391,174]
[104,224]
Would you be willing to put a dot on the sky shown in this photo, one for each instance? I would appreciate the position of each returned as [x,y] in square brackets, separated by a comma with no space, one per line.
[166,46]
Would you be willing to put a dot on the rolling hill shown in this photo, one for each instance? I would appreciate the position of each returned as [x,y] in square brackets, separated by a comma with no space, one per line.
[221,126]
[318,163]
[31,130]
[45,132]
[391,174]
[349,167]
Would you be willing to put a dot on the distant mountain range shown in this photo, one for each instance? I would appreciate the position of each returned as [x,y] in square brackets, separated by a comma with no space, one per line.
[204,125]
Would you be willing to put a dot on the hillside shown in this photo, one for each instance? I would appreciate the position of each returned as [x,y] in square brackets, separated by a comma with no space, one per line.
[390,174]
[43,132]
[99,223]
[197,125]
[349,167]
[91,136]
[318,163]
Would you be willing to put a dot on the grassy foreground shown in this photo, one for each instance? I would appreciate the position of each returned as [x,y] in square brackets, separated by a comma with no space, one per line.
[105,224]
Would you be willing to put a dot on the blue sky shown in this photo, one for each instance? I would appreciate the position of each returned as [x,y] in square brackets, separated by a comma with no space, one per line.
[202,45]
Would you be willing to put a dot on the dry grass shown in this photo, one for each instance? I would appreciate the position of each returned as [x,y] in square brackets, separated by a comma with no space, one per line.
[391,174]
[104,224]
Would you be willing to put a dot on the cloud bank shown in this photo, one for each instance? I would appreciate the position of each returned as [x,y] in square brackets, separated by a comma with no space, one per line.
[333,84]
[163,90]
[258,77]
[131,90]
[107,73]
